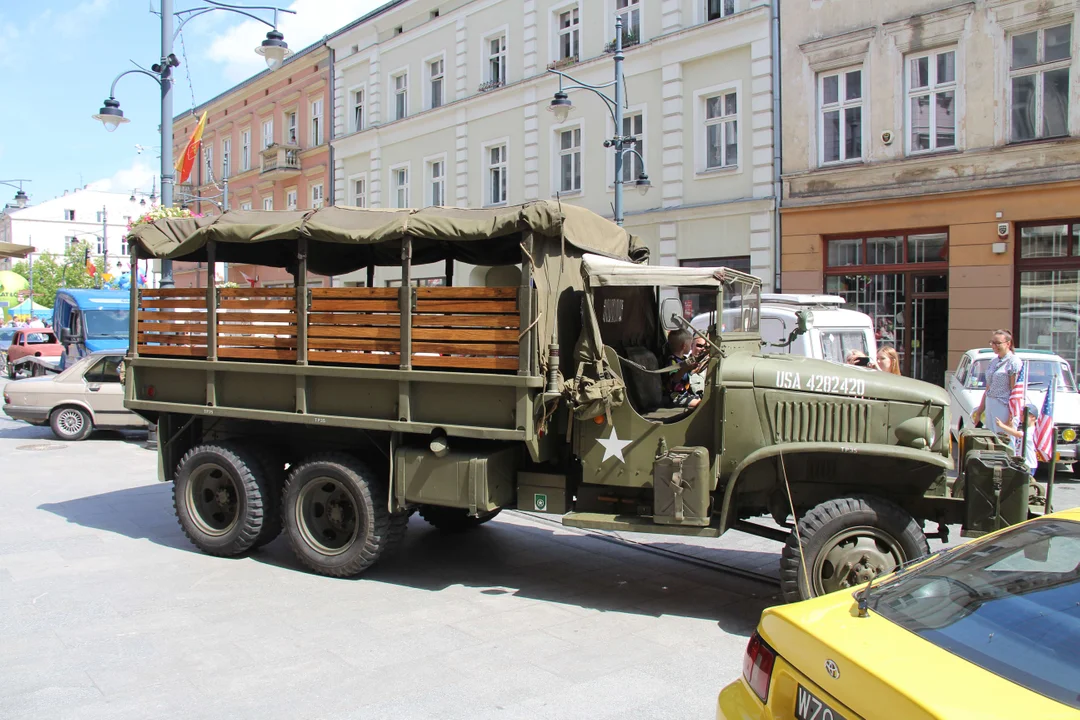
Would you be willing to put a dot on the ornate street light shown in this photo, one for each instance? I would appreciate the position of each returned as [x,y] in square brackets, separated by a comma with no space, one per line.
[21,198]
[274,49]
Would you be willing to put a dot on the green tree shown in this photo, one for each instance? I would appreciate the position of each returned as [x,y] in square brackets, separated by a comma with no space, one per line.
[53,272]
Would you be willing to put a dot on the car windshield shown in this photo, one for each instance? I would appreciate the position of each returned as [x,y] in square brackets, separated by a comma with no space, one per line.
[836,344]
[5,336]
[106,323]
[1039,374]
[1010,605]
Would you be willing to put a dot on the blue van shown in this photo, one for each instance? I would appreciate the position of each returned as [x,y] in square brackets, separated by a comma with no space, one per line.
[90,320]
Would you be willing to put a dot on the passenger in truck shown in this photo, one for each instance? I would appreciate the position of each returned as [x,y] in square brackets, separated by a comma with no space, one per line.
[679,391]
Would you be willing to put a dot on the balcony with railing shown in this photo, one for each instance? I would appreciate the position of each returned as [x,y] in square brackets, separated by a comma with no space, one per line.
[280,160]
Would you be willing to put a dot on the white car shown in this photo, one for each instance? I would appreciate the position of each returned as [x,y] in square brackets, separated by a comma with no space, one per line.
[967,385]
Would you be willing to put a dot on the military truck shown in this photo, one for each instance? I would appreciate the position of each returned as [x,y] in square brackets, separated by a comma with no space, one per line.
[334,413]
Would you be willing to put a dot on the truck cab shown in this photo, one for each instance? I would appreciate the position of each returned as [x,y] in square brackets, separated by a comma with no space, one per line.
[90,320]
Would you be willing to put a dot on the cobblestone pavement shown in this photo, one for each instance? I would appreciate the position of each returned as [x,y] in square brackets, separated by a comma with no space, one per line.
[106,611]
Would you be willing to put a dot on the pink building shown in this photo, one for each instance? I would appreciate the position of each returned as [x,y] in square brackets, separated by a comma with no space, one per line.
[269,136]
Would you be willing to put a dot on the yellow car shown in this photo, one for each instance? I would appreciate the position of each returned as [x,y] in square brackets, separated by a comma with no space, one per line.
[989,629]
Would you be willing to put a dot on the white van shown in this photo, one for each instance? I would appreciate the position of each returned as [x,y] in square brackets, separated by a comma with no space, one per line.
[833,330]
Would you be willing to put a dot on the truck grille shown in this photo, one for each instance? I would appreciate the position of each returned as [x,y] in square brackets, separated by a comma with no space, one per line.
[796,421]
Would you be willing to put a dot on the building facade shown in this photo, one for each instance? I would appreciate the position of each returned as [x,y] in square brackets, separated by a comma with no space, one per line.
[269,137]
[931,170]
[92,216]
[445,103]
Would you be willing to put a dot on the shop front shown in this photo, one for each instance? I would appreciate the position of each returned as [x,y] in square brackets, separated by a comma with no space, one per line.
[939,273]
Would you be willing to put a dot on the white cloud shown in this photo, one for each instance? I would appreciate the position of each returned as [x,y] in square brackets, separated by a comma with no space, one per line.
[235,48]
[139,175]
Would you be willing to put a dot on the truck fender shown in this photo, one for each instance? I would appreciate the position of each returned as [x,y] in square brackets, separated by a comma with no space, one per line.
[892,452]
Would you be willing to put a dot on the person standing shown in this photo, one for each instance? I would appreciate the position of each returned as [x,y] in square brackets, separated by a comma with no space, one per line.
[888,360]
[1001,375]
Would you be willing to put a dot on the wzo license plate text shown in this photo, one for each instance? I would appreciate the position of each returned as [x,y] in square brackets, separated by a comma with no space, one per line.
[808,707]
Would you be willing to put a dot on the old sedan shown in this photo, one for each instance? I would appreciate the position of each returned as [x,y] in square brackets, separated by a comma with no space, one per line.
[967,385]
[88,395]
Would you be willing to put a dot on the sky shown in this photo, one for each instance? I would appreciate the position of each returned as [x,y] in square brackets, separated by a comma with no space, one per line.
[59,57]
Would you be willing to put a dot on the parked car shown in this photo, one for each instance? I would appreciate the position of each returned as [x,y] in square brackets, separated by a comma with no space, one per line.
[833,329]
[85,396]
[967,385]
[27,342]
[983,630]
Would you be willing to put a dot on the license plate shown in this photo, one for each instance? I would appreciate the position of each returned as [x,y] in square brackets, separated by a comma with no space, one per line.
[809,707]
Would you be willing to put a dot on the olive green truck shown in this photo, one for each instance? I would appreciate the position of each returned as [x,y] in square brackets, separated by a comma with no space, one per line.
[334,413]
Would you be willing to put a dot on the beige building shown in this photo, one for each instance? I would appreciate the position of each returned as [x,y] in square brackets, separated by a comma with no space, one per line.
[931,170]
[445,103]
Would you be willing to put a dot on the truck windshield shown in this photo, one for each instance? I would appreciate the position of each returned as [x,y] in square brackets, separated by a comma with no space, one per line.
[742,307]
[1010,605]
[836,344]
[106,323]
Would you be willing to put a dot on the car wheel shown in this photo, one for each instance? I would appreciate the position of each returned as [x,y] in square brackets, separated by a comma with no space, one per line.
[11,371]
[845,542]
[71,423]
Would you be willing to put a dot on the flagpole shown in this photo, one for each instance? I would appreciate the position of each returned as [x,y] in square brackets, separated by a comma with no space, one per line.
[1053,472]
[166,126]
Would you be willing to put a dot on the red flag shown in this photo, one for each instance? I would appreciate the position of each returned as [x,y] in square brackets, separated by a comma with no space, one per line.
[1044,426]
[186,161]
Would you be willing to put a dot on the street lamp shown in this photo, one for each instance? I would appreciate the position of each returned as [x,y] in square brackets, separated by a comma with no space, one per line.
[561,106]
[21,198]
[273,48]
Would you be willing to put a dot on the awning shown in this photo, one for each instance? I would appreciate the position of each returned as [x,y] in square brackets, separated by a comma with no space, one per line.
[602,271]
[11,250]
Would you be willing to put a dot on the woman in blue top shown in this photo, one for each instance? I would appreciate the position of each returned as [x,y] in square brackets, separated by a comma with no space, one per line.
[1001,375]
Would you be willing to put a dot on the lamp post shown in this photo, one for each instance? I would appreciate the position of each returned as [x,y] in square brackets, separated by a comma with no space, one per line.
[273,48]
[21,198]
[623,144]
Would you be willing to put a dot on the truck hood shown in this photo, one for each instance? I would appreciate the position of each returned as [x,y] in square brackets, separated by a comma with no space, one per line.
[787,372]
[95,344]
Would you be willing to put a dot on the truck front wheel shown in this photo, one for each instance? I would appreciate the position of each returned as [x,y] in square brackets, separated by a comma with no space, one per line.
[221,496]
[847,542]
[335,514]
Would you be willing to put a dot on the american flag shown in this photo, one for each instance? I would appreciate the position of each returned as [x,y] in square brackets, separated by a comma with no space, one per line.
[1018,396]
[1044,426]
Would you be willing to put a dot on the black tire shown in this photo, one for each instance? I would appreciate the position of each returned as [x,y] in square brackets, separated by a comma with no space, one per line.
[335,514]
[11,372]
[71,423]
[220,495]
[453,520]
[399,524]
[273,467]
[877,535]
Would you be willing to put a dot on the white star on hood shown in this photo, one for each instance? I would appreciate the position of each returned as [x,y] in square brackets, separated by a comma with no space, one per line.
[613,446]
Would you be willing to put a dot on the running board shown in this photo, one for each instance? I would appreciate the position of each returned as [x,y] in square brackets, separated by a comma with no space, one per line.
[634,523]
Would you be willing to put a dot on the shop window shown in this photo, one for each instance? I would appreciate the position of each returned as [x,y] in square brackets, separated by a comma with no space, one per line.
[1048,288]
[901,281]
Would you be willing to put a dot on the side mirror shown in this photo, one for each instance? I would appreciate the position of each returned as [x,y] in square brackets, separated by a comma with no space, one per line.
[670,307]
[65,336]
[805,320]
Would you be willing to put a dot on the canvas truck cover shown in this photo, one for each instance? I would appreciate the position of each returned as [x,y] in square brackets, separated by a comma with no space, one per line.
[343,239]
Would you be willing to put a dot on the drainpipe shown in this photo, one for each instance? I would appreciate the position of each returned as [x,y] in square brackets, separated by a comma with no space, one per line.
[330,136]
[778,189]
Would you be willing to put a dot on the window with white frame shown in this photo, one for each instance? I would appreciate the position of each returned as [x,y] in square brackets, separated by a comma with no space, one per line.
[245,206]
[715,9]
[69,214]
[226,157]
[722,130]
[245,150]
[401,95]
[1039,63]
[100,244]
[291,137]
[100,216]
[495,161]
[123,245]
[840,100]
[268,203]
[568,23]
[208,157]
[436,82]
[630,12]
[569,147]
[399,182]
[633,127]
[268,133]
[358,188]
[357,100]
[290,199]
[316,122]
[317,197]
[496,60]
[931,106]
[436,179]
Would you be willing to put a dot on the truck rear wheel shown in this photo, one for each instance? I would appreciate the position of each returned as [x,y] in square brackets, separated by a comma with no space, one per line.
[454,519]
[221,495]
[847,542]
[335,514]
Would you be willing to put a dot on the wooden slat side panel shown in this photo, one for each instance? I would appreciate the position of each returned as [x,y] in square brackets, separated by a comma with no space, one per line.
[354,305]
[467,363]
[194,303]
[352,318]
[386,333]
[386,346]
[250,341]
[233,315]
[498,307]
[352,358]
[465,335]
[161,293]
[459,293]
[172,315]
[354,293]
[185,339]
[235,304]
[478,349]
[234,329]
[256,354]
[172,327]
[256,292]
[172,350]
[394,320]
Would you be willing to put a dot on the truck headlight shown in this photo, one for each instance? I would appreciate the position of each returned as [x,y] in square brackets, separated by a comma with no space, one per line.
[1068,435]
[917,432]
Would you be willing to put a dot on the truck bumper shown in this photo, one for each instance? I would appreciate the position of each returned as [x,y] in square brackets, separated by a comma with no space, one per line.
[33,415]
[1066,453]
